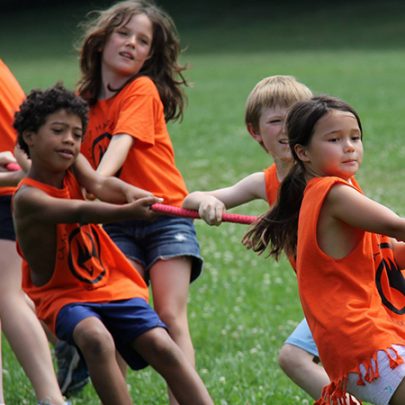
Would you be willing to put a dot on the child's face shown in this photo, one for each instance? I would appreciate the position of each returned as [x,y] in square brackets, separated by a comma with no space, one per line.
[271,133]
[57,142]
[128,47]
[336,148]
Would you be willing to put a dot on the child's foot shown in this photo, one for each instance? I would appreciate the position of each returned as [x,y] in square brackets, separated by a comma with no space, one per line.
[72,371]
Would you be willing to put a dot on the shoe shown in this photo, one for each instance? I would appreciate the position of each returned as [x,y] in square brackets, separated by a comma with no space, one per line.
[72,372]
[46,402]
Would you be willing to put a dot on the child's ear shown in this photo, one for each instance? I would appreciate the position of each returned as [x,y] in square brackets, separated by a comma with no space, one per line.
[252,131]
[28,137]
[302,153]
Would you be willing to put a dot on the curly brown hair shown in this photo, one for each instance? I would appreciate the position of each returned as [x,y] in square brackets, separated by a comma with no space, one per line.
[39,104]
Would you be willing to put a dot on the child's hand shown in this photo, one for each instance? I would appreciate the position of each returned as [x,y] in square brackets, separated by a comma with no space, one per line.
[211,210]
[141,208]
[133,193]
[22,159]
[6,157]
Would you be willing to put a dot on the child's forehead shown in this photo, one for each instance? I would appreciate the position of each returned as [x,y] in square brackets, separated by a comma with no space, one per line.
[274,110]
[64,116]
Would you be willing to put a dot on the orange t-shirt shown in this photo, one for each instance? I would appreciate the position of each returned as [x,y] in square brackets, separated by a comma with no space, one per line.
[272,184]
[88,266]
[11,96]
[341,299]
[137,111]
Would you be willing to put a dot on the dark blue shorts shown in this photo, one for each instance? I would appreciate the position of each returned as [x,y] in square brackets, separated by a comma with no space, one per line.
[165,238]
[6,219]
[124,319]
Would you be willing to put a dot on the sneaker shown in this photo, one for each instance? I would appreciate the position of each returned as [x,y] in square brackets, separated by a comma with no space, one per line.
[72,372]
[46,402]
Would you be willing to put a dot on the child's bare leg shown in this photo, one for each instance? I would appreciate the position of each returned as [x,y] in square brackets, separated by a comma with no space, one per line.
[160,351]
[170,280]
[23,329]
[299,366]
[399,396]
[97,346]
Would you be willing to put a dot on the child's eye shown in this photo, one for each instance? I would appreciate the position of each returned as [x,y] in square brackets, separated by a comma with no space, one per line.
[277,121]
[356,137]
[57,130]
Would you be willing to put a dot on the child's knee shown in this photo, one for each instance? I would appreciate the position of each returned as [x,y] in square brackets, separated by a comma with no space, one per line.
[164,348]
[287,356]
[94,340]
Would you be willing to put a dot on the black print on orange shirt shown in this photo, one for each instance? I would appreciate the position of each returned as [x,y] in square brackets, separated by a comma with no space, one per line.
[84,255]
[99,147]
[396,282]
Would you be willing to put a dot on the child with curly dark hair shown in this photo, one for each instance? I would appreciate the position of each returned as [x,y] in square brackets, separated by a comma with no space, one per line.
[84,288]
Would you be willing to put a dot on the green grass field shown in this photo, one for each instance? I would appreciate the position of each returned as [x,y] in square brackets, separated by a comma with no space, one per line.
[242,307]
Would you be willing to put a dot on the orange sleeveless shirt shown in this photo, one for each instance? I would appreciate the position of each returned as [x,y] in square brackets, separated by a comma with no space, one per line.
[11,96]
[341,299]
[88,265]
[272,184]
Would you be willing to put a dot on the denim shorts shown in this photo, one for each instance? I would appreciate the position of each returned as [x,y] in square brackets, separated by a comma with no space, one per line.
[380,390]
[124,319]
[165,238]
[6,219]
[302,338]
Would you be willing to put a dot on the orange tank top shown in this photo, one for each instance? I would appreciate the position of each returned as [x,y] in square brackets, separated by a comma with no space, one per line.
[88,265]
[272,184]
[11,96]
[341,298]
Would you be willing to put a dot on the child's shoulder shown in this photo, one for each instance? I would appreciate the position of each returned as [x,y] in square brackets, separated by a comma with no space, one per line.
[142,84]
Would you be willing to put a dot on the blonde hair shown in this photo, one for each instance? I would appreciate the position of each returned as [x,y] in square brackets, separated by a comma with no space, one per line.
[162,67]
[274,91]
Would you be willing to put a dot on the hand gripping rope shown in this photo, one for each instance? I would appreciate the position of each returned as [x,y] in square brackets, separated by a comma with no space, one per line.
[182,212]
[13,167]
[176,211]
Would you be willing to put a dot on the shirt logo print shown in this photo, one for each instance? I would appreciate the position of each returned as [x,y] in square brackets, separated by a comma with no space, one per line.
[84,255]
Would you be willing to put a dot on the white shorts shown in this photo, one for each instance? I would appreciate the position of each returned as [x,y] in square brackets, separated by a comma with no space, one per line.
[379,391]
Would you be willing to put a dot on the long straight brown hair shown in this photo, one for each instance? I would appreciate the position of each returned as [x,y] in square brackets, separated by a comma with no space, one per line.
[162,67]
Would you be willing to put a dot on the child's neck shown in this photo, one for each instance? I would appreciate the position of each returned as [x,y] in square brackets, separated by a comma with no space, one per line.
[111,83]
[283,167]
[54,179]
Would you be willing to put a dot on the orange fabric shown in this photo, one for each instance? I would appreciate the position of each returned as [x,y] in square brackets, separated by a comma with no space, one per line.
[88,268]
[11,96]
[137,111]
[340,298]
[272,184]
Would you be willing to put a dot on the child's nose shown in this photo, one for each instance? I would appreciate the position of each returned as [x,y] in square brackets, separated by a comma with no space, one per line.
[131,40]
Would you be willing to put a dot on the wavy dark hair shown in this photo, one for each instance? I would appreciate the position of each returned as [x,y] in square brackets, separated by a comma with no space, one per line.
[39,104]
[277,229]
[162,67]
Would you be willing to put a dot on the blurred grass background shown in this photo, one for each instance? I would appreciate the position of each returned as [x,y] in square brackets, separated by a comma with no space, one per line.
[243,306]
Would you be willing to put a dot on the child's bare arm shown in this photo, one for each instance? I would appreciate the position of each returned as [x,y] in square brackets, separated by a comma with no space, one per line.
[10,179]
[7,178]
[106,188]
[399,253]
[358,211]
[32,205]
[212,204]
